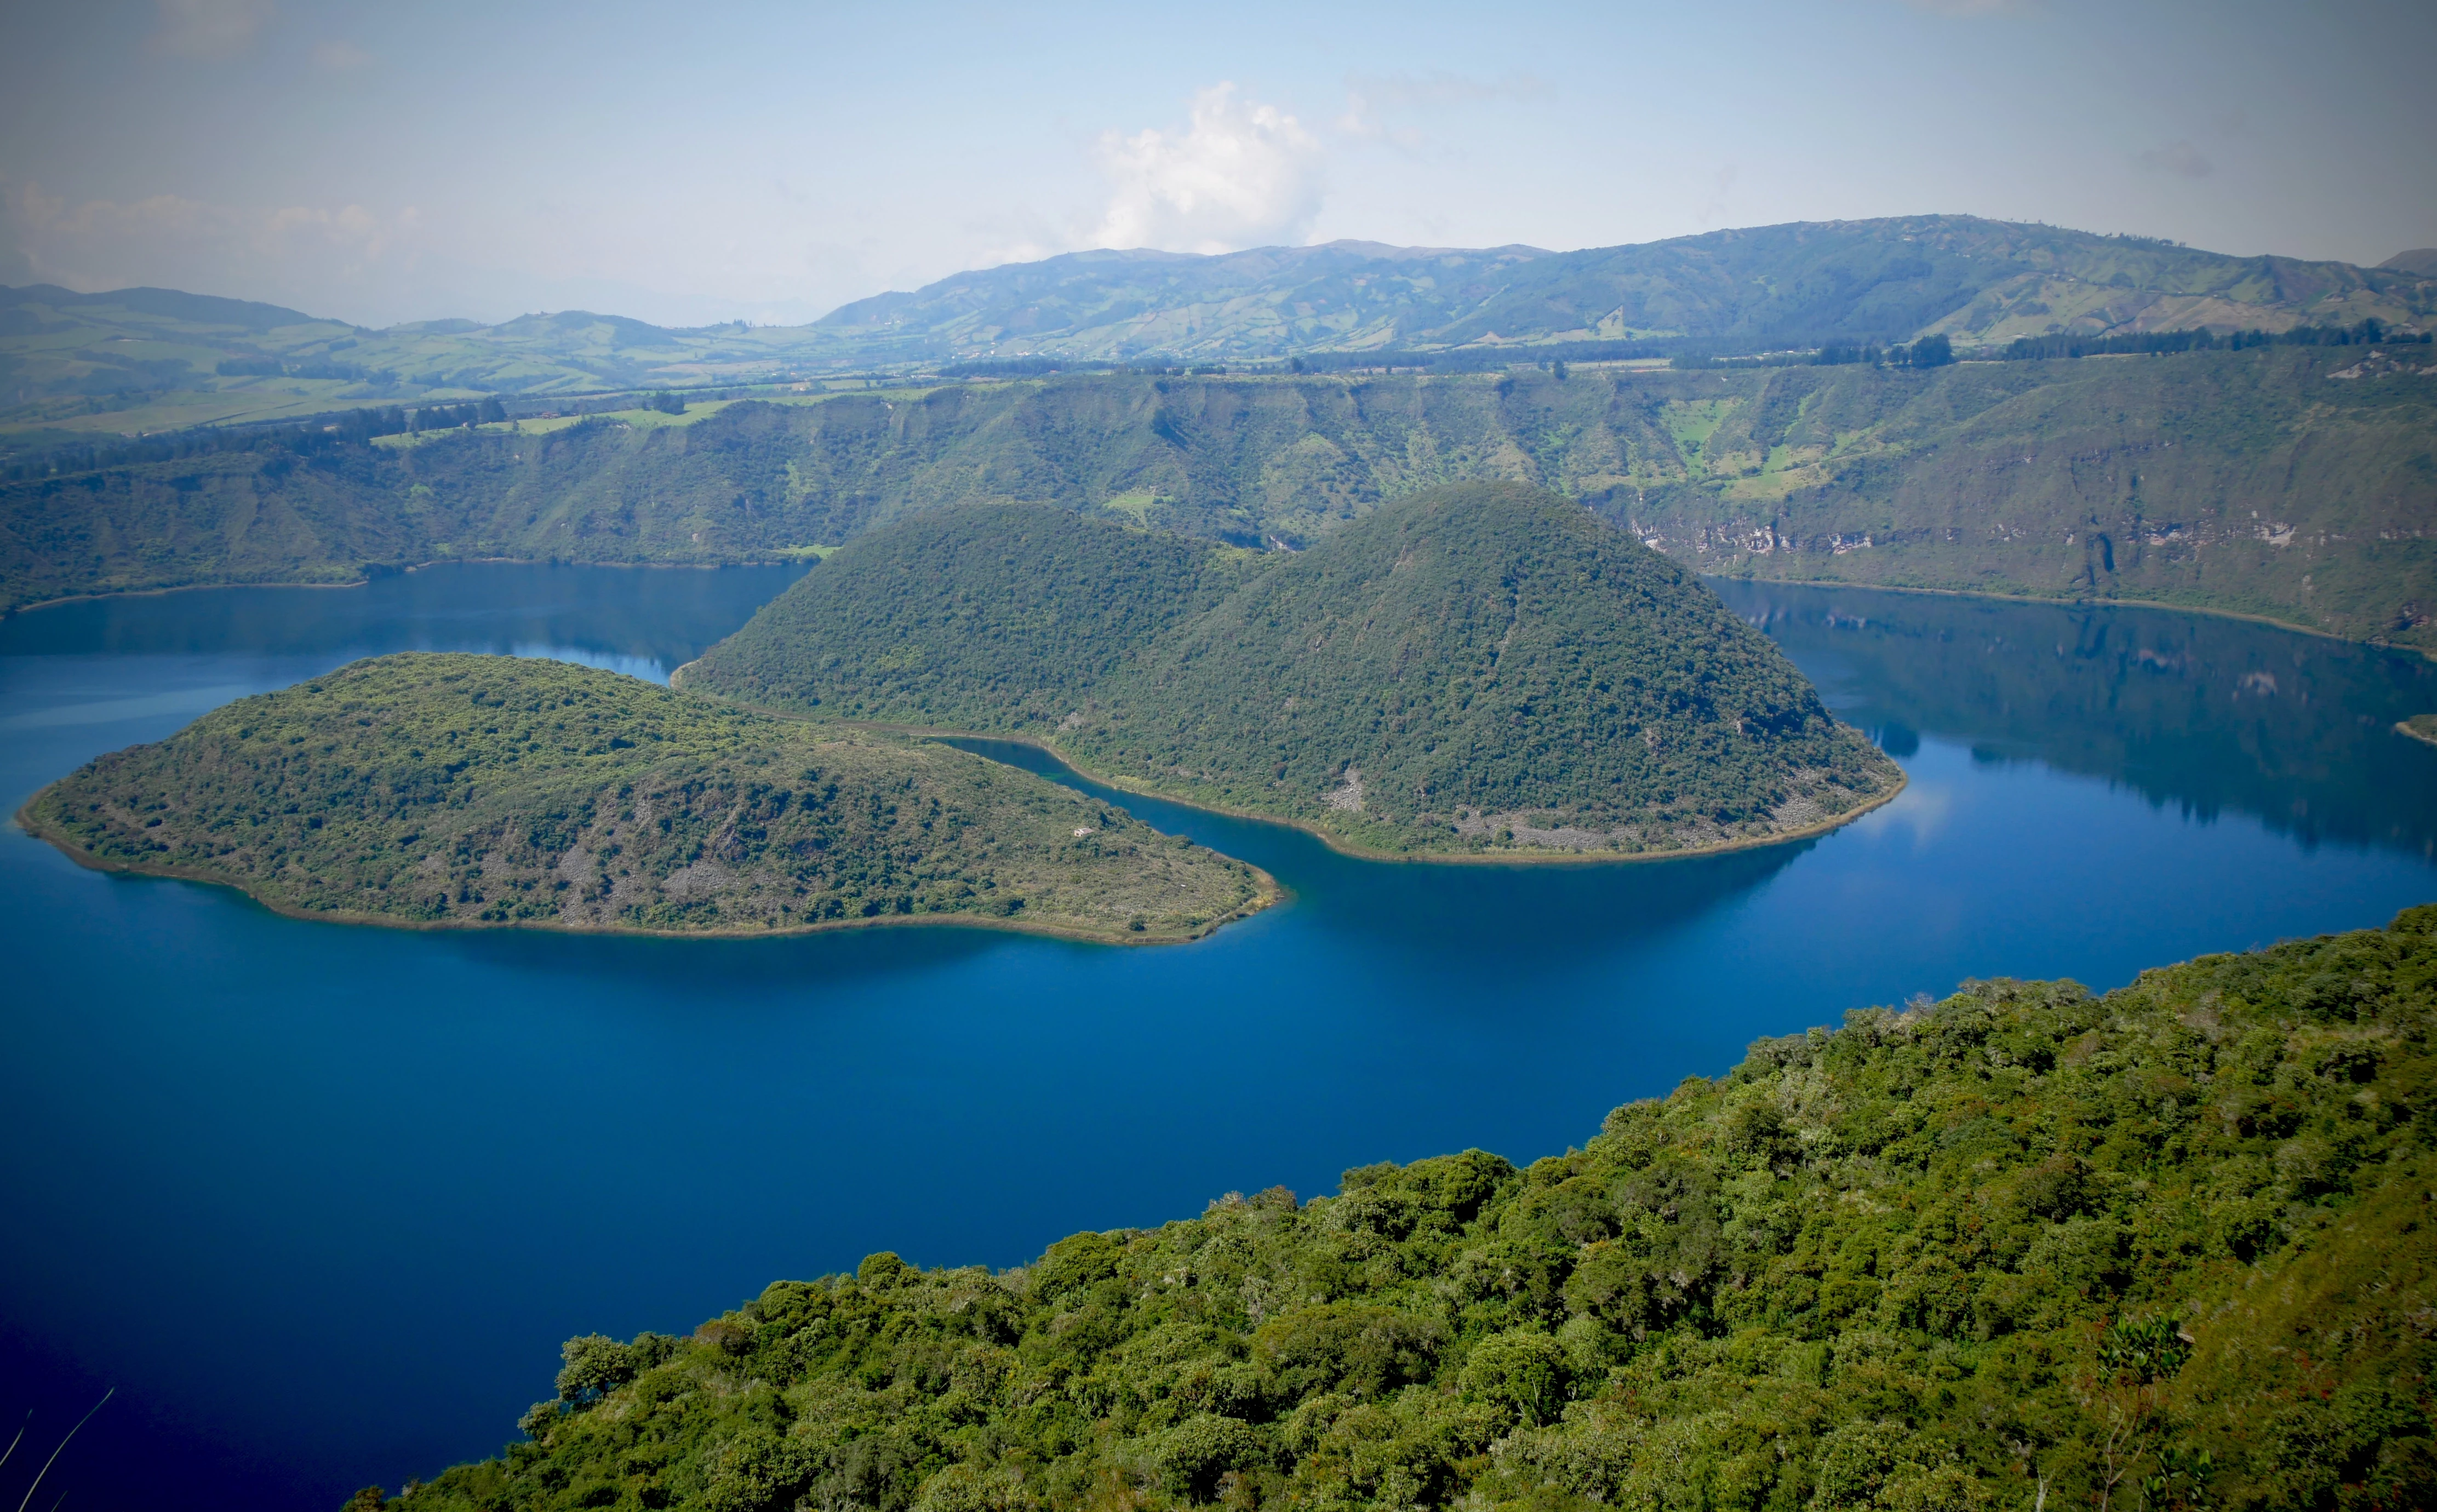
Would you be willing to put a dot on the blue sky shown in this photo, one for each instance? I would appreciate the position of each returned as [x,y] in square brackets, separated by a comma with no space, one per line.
[686,164]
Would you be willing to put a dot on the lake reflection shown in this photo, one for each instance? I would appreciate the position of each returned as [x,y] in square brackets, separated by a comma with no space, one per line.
[2199,711]
[323,1200]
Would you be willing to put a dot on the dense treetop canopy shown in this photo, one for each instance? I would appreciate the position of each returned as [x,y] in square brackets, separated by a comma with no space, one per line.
[2163,1248]
[450,789]
[993,617]
[1481,657]
[1475,667]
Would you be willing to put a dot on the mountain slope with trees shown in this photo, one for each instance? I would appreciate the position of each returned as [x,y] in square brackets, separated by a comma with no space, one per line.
[1477,669]
[2290,481]
[453,790]
[2163,1248]
[995,617]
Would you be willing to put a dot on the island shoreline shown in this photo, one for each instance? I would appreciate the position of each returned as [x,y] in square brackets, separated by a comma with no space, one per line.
[2271,620]
[402,571]
[1335,842]
[1272,893]
[2430,653]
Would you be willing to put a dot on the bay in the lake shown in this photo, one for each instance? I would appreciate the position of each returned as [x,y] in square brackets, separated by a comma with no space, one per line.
[319,1202]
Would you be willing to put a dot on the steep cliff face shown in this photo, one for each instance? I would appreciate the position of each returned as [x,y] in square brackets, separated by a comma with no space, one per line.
[2290,481]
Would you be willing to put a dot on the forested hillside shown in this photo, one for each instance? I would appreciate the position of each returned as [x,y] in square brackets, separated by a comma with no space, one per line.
[464,790]
[2165,1248]
[1484,665]
[2296,482]
[994,617]
[1469,670]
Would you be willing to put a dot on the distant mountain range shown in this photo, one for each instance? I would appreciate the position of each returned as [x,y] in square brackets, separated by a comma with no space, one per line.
[142,360]
[1975,281]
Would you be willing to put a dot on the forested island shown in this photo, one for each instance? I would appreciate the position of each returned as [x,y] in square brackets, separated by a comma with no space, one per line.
[450,790]
[1476,670]
[2165,1248]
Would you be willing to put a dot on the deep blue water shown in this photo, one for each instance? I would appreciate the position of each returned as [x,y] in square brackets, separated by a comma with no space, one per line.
[319,1202]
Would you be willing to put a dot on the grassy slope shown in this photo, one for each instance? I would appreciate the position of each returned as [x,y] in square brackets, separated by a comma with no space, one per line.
[1972,1255]
[1471,668]
[2171,478]
[460,790]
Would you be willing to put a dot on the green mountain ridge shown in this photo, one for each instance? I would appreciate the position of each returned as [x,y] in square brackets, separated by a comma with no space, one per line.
[2291,482]
[1477,669]
[143,360]
[451,790]
[1887,280]
[2163,1248]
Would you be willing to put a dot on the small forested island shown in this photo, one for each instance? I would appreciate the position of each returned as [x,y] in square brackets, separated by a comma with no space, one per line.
[2164,1248]
[430,789]
[2419,726]
[1478,670]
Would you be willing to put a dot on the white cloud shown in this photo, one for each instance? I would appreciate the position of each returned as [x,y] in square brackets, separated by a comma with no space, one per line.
[1242,174]
[2181,159]
[208,28]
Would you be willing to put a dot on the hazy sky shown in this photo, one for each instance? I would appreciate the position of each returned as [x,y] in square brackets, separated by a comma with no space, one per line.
[691,163]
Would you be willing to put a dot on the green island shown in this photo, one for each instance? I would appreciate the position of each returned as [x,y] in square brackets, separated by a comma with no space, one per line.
[445,790]
[2163,1248]
[1477,670]
[2420,727]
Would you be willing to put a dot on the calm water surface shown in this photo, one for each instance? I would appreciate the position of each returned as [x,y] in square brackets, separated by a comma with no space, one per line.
[320,1202]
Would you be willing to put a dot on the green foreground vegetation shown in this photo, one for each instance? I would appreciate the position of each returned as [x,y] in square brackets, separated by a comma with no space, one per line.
[2291,482]
[1481,668]
[2163,1248]
[454,790]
